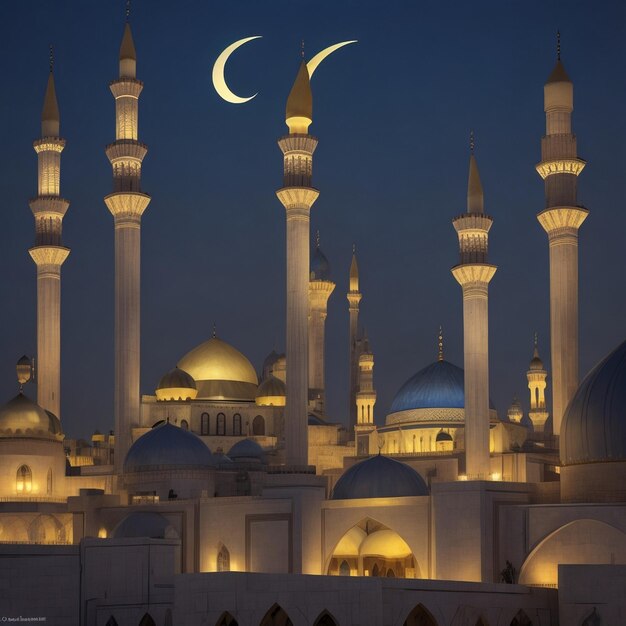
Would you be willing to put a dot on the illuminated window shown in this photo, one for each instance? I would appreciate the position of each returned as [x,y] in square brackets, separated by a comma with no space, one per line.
[204,424]
[24,482]
[223,560]
[221,424]
[236,424]
[49,482]
[184,424]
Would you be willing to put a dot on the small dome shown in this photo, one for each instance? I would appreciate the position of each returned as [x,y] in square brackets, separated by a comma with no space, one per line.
[167,447]
[379,477]
[247,451]
[177,384]
[320,267]
[271,392]
[144,524]
[220,371]
[21,417]
[536,364]
[442,436]
[437,386]
[594,424]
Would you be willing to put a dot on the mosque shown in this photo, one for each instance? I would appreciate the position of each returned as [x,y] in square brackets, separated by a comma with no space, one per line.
[229,497]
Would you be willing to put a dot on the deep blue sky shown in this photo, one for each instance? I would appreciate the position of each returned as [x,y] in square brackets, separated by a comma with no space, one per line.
[392,114]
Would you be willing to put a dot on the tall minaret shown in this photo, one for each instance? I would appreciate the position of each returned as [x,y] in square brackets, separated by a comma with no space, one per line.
[474,274]
[297,196]
[320,289]
[365,400]
[561,219]
[48,253]
[127,204]
[354,297]
[536,376]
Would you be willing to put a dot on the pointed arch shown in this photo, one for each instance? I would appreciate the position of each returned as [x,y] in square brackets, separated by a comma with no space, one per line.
[226,619]
[344,568]
[24,479]
[258,425]
[325,619]
[111,621]
[375,571]
[147,620]
[420,616]
[49,481]
[223,559]
[521,619]
[276,616]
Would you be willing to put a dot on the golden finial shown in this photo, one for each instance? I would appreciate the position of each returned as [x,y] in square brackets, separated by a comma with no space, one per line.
[558,45]
[440,344]
[51,58]
[302,49]
[214,330]
[472,141]
[353,249]
[317,239]
[535,339]
[128,10]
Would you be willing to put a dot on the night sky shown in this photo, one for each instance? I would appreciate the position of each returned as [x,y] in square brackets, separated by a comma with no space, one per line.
[392,114]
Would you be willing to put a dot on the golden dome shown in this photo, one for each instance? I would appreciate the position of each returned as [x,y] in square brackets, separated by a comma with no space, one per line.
[221,372]
[177,384]
[21,417]
[271,392]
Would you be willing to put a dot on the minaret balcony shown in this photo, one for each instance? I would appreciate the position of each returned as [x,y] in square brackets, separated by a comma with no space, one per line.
[49,206]
[562,219]
[560,166]
[470,223]
[126,87]
[126,150]
[49,144]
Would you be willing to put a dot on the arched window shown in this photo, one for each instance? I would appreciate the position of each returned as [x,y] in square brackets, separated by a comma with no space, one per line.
[521,619]
[49,482]
[24,480]
[204,424]
[226,619]
[276,616]
[258,425]
[390,573]
[325,619]
[420,616]
[223,560]
[147,620]
[236,424]
[221,424]
[184,424]
[344,568]
[375,570]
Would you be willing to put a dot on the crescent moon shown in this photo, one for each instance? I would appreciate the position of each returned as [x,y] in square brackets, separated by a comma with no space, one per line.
[320,56]
[219,82]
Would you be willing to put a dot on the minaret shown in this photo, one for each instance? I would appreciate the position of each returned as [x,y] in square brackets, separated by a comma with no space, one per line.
[537,376]
[320,289]
[297,196]
[48,253]
[127,204]
[474,274]
[561,219]
[365,400]
[354,297]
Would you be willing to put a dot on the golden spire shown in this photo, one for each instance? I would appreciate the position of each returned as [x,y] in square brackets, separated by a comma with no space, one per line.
[299,110]
[475,200]
[354,271]
[50,118]
[128,54]
[440,344]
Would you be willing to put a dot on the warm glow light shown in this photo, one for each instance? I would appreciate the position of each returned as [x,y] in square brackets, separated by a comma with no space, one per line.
[462,476]
[496,476]
[102,533]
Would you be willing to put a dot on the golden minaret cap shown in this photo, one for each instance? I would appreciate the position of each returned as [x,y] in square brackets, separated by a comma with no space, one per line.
[128,55]
[299,110]
[50,118]
[475,199]
[354,272]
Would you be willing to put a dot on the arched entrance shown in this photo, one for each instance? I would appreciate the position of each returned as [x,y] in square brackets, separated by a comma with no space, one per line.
[325,619]
[226,619]
[147,620]
[521,619]
[276,616]
[420,616]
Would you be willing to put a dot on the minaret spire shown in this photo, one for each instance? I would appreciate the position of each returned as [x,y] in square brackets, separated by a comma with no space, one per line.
[48,253]
[474,273]
[297,195]
[127,204]
[440,344]
[561,218]
[558,45]
[354,298]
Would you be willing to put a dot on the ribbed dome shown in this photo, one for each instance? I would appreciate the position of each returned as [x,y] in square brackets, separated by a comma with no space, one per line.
[594,424]
[246,451]
[379,477]
[220,371]
[21,417]
[177,384]
[320,267]
[144,524]
[437,386]
[167,447]
[271,392]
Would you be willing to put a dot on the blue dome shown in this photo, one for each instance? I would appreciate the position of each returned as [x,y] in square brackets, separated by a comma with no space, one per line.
[246,451]
[594,424]
[320,267]
[437,386]
[379,477]
[167,447]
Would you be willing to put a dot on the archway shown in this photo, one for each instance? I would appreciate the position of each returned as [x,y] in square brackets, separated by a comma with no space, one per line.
[147,620]
[46,529]
[420,616]
[258,426]
[325,619]
[344,568]
[226,619]
[521,619]
[276,616]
